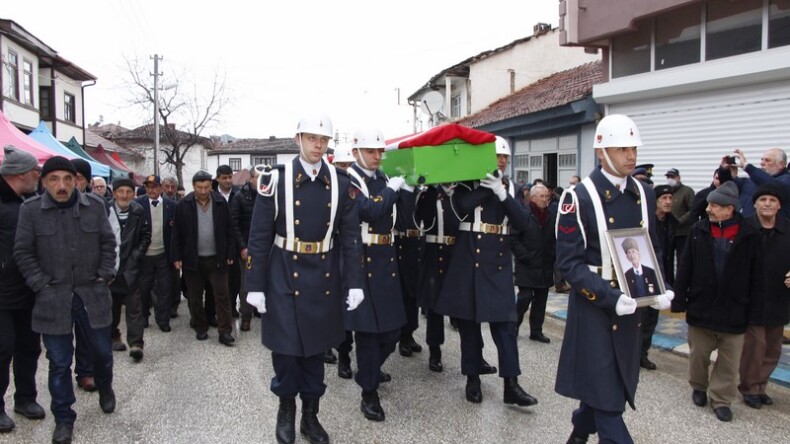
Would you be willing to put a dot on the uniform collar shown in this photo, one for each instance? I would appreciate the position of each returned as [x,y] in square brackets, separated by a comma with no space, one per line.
[605,185]
[301,171]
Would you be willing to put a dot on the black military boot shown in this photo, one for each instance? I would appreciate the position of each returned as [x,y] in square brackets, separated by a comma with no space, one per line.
[514,394]
[344,365]
[309,426]
[435,359]
[371,406]
[286,419]
[577,438]
[473,392]
[329,357]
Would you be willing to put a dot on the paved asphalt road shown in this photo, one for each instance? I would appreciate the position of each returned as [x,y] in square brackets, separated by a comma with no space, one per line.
[187,391]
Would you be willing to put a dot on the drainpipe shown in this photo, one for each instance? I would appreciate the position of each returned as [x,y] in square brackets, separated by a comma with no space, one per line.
[83,86]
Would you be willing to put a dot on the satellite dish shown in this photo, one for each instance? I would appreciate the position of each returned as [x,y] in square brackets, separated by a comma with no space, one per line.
[432,102]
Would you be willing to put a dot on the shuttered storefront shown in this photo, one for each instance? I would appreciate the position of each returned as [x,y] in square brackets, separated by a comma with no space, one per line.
[691,132]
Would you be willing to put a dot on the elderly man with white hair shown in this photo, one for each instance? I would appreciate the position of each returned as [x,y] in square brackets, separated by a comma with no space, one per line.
[99,188]
[773,167]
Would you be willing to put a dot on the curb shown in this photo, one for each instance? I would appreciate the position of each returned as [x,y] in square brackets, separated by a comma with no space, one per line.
[679,346]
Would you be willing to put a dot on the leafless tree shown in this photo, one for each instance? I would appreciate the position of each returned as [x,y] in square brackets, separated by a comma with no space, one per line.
[186,110]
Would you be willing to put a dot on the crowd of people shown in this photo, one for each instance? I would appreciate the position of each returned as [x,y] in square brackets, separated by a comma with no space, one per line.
[333,256]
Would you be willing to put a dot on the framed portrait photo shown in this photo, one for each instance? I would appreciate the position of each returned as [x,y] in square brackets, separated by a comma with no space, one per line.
[635,264]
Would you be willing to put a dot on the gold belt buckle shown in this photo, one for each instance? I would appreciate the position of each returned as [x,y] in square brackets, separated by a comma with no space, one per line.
[411,232]
[384,239]
[450,240]
[491,228]
[307,247]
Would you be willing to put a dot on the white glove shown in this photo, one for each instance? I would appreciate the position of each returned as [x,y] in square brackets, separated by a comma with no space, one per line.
[355,297]
[625,305]
[257,300]
[495,184]
[670,295]
[395,183]
[663,301]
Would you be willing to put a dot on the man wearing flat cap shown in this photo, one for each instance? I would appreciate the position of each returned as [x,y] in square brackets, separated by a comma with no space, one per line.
[19,176]
[720,285]
[65,249]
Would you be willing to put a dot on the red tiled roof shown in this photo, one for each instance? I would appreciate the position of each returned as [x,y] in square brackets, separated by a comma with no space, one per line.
[550,92]
[93,140]
[272,145]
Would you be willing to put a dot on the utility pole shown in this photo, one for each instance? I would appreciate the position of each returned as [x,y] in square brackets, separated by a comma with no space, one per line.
[156,75]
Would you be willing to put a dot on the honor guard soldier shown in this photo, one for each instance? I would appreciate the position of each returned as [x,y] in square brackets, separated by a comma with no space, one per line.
[410,243]
[479,283]
[599,360]
[435,213]
[378,320]
[304,218]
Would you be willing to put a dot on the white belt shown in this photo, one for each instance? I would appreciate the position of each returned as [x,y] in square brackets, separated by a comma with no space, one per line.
[434,239]
[482,227]
[302,246]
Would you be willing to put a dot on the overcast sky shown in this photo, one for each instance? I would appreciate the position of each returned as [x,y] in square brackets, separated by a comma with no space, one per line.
[280,59]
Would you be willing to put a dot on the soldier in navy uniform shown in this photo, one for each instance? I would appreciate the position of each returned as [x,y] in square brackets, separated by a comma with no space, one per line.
[410,243]
[303,220]
[378,320]
[479,283]
[599,360]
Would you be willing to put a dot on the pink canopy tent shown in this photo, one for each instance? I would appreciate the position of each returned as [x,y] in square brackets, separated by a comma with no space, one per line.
[11,135]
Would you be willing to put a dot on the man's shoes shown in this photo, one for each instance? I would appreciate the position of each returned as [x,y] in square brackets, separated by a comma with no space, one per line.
[487,369]
[412,344]
[6,423]
[62,433]
[201,336]
[87,383]
[435,359]
[562,288]
[30,410]
[118,345]
[473,392]
[699,397]
[344,366]
[107,400]
[404,349]
[165,328]
[226,339]
[245,325]
[723,413]
[329,357]
[577,438]
[752,401]
[309,425]
[286,421]
[766,400]
[540,337]
[514,394]
[136,352]
[371,406]
[384,377]
[647,364]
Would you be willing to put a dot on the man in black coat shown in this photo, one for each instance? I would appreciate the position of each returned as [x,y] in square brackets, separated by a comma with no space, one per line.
[157,272]
[762,345]
[204,247]
[535,252]
[19,176]
[223,185]
[132,237]
[241,208]
[719,285]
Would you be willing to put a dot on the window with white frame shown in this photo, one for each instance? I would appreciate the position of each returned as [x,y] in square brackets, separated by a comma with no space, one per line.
[44,98]
[455,106]
[235,163]
[778,23]
[27,82]
[733,28]
[566,160]
[69,108]
[12,79]
[678,37]
[631,52]
[263,160]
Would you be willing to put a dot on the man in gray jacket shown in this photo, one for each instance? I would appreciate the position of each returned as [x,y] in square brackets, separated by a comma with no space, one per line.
[65,249]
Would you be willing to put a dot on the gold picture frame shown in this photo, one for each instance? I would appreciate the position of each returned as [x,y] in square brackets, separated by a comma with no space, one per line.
[635,264]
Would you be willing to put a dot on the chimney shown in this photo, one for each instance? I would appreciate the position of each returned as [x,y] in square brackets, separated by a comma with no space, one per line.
[512,73]
[540,28]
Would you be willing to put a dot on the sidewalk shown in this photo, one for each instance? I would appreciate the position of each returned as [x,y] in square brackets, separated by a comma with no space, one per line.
[671,335]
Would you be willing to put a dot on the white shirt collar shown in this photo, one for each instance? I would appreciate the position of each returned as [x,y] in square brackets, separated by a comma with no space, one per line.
[309,167]
[619,182]
[370,173]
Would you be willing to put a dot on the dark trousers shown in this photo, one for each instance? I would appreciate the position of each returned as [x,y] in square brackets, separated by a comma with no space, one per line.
[83,360]
[610,426]
[60,352]
[649,323]
[347,345]
[680,244]
[246,310]
[196,282]
[536,297]
[22,346]
[504,336]
[135,324]
[412,318]
[298,375]
[234,284]
[434,328]
[373,349]
[156,275]
[175,288]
